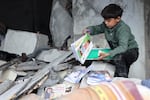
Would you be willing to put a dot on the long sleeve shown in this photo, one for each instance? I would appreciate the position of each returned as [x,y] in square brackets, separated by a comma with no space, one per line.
[97,29]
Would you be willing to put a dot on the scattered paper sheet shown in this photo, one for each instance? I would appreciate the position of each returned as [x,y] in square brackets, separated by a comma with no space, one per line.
[76,76]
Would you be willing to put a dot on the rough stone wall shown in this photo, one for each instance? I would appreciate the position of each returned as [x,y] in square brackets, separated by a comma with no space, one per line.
[61,23]
[147,35]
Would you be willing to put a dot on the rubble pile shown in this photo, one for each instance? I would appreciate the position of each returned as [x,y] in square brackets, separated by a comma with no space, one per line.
[45,73]
[20,78]
[33,69]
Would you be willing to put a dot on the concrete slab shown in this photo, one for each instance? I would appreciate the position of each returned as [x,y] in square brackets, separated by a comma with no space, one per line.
[19,42]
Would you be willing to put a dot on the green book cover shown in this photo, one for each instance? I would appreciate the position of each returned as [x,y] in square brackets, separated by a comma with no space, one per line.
[82,47]
[94,53]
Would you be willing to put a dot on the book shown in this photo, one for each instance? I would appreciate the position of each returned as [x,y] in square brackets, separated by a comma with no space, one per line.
[77,75]
[83,49]
[96,77]
[55,91]
[94,53]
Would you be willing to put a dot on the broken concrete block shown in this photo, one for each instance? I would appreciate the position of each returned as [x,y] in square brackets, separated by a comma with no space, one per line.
[21,73]
[41,73]
[2,62]
[30,65]
[19,42]
[5,86]
[13,92]
[1,72]
[59,17]
[9,75]
[50,55]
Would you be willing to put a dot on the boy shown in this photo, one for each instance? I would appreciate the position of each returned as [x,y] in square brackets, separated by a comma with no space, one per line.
[119,37]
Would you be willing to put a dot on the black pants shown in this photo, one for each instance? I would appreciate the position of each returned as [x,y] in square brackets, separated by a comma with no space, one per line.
[123,61]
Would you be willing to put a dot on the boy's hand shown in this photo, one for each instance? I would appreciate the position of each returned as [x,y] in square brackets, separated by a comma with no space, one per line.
[103,55]
[86,31]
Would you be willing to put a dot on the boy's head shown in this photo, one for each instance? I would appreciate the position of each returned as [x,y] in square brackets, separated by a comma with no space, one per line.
[112,14]
[112,11]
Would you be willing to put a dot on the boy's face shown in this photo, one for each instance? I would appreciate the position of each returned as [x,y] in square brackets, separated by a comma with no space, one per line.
[111,22]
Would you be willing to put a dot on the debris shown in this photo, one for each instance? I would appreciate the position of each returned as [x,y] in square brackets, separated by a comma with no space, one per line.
[50,55]
[61,67]
[19,59]
[9,75]
[41,73]
[5,86]
[30,65]
[14,90]
[38,84]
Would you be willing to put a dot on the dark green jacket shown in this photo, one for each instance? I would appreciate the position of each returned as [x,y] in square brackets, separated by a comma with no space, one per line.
[120,38]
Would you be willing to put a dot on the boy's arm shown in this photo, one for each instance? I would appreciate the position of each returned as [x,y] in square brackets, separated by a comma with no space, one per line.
[93,30]
[122,47]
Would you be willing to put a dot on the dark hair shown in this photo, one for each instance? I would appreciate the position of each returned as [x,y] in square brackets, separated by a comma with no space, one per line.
[112,11]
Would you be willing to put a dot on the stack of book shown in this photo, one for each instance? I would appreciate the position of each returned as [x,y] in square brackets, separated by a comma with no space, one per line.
[77,75]
[97,77]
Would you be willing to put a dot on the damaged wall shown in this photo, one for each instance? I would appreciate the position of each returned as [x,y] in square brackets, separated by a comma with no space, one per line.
[147,35]
[61,22]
